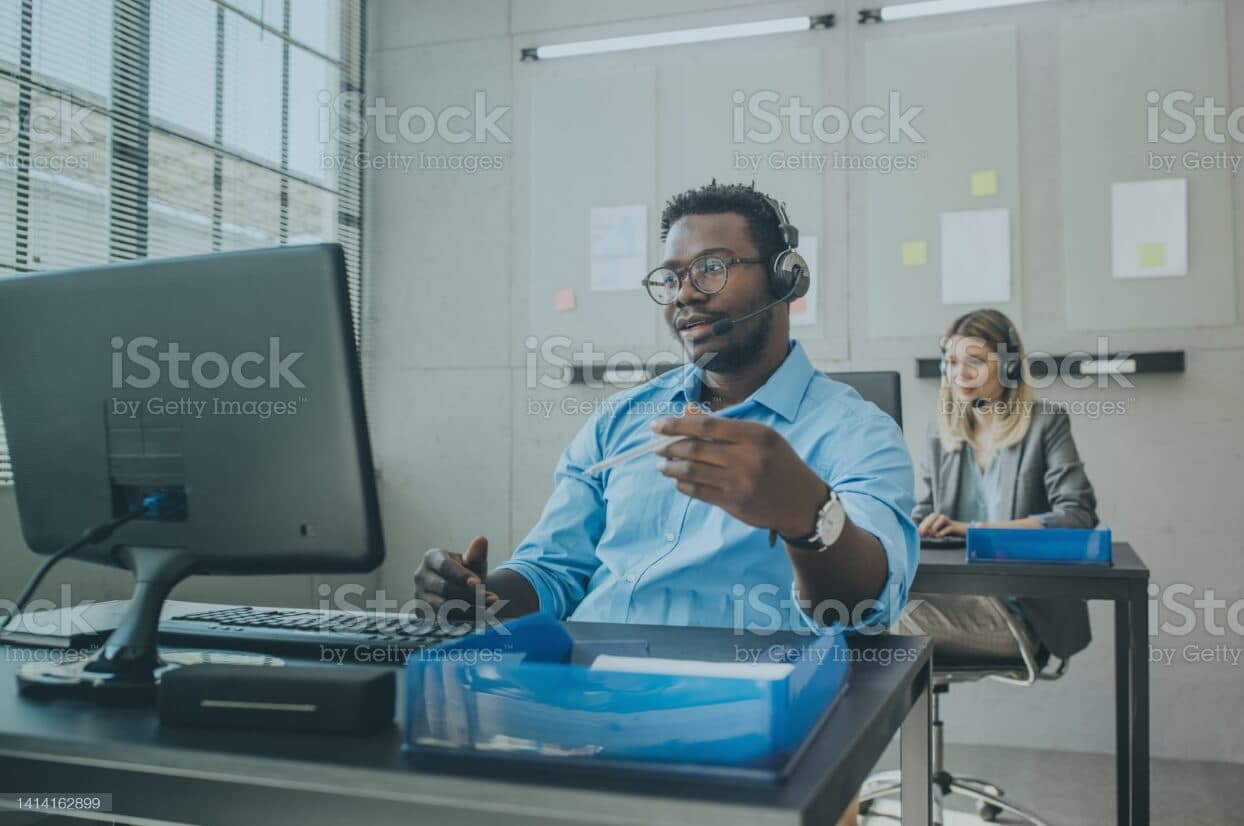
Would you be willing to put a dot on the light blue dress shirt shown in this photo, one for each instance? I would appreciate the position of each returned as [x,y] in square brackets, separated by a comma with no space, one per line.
[627,546]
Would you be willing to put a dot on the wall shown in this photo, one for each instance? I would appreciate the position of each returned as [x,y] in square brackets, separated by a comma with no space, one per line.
[461,453]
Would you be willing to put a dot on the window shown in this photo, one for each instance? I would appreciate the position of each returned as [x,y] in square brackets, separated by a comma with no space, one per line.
[157,128]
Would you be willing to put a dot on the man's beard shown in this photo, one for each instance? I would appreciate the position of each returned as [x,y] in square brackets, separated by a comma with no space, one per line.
[739,355]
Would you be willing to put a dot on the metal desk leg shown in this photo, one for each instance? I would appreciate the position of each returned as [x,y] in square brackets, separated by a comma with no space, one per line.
[914,758]
[1131,689]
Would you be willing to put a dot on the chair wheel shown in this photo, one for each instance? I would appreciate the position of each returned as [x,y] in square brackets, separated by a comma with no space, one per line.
[987,811]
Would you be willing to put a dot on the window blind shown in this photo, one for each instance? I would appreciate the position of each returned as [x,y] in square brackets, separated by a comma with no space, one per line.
[155,128]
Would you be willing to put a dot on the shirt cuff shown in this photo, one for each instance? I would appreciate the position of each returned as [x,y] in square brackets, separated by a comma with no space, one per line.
[1047,520]
[549,597]
[897,537]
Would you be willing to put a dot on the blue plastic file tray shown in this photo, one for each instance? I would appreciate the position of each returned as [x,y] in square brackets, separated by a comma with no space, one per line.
[1064,546]
[531,696]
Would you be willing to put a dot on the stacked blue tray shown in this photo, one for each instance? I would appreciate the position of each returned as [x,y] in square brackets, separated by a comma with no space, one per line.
[528,690]
[1067,546]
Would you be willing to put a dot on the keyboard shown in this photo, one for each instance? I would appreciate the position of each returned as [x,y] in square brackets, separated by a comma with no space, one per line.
[337,636]
[943,543]
[342,636]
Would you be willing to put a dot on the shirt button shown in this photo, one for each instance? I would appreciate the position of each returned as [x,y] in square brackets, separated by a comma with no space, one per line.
[630,577]
[669,537]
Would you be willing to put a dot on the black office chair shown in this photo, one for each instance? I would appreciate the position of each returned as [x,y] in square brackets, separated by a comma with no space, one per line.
[974,638]
[882,387]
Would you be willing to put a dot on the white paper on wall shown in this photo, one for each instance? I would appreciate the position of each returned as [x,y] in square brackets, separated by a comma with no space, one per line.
[1149,228]
[976,256]
[619,247]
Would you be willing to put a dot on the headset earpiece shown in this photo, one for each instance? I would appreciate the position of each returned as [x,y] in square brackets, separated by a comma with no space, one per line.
[1012,364]
[789,274]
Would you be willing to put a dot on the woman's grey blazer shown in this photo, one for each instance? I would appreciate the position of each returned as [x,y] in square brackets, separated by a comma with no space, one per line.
[1045,480]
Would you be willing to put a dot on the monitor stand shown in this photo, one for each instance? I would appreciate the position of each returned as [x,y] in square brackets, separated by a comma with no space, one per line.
[127,667]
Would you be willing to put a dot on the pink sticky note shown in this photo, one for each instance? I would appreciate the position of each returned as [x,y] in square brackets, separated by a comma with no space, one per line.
[799,305]
[563,300]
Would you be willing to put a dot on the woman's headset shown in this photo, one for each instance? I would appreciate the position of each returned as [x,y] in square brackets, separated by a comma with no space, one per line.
[1011,363]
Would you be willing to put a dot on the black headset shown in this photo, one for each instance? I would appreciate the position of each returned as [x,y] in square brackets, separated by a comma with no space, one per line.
[789,277]
[1011,363]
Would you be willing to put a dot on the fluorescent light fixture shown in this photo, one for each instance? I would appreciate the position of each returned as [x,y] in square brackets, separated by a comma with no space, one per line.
[677,38]
[907,11]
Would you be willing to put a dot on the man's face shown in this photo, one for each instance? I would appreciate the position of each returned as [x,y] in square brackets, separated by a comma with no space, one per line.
[690,317]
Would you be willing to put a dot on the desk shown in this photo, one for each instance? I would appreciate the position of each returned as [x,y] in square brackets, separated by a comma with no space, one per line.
[217,777]
[1126,584]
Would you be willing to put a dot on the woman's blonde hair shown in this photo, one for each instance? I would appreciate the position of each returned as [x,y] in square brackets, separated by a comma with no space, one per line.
[998,335]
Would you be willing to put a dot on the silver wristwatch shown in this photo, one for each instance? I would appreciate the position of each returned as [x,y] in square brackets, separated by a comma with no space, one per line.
[830,520]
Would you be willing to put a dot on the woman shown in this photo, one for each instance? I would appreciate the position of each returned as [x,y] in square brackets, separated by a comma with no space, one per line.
[999,459]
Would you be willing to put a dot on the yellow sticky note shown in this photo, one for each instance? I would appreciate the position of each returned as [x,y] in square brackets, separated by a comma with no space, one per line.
[1152,255]
[563,300]
[915,253]
[984,183]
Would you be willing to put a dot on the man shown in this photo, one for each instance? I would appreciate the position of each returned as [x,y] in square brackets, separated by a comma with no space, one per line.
[687,539]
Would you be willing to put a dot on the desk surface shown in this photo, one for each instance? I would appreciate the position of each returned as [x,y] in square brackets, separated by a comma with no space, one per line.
[947,572]
[232,777]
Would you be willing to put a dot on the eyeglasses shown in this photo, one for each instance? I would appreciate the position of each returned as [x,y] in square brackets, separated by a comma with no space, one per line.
[708,275]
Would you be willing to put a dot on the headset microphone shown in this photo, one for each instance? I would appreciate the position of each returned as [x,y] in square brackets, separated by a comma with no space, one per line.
[724,325]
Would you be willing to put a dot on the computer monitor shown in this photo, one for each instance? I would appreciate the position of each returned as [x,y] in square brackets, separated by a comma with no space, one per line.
[231,383]
[883,388]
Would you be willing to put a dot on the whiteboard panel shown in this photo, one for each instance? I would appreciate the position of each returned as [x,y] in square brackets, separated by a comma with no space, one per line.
[965,83]
[593,144]
[1105,139]
[711,132]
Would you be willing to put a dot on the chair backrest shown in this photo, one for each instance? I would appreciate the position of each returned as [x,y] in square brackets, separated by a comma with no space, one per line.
[881,387]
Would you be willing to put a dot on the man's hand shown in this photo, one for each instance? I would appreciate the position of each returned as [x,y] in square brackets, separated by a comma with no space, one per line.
[939,524]
[746,469]
[444,576]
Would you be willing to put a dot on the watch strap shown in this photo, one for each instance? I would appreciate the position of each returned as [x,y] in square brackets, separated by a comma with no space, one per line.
[812,541]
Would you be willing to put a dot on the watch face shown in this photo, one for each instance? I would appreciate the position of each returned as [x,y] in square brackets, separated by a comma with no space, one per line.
[831,521]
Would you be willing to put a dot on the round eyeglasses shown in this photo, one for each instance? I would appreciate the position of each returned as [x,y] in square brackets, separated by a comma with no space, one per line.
[708,275]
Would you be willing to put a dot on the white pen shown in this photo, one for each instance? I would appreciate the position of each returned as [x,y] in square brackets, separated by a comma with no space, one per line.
[635,452]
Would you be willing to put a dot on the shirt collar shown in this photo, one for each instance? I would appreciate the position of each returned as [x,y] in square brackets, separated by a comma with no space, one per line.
[782,393]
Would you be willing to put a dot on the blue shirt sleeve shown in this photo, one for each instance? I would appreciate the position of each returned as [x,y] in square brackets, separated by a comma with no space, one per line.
[873,476]
[558,556]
